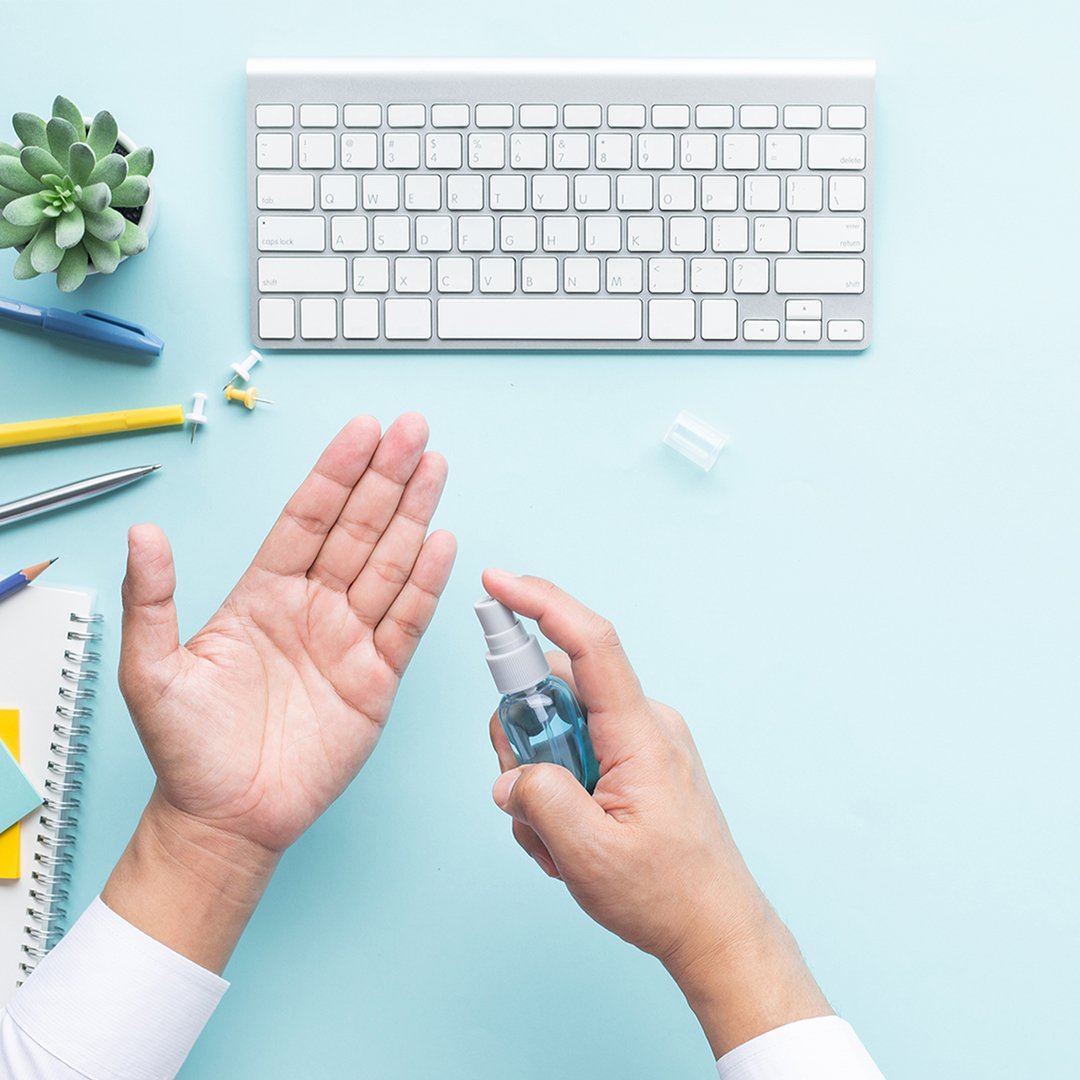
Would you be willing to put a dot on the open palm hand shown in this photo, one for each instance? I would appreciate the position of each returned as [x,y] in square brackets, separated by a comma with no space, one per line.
[263,718]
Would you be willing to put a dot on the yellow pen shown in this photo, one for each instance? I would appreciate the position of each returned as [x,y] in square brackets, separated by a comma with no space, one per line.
[27,432]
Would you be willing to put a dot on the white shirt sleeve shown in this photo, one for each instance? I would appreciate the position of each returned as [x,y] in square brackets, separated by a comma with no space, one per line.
[108,1003]
[825,1048]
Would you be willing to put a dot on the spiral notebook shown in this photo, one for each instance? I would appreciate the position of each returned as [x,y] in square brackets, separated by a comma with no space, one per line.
[47,671]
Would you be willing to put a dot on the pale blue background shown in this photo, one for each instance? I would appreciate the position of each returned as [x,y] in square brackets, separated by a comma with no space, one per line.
[868,611]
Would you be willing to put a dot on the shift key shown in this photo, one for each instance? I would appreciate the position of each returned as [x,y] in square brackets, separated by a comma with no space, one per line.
[299,275]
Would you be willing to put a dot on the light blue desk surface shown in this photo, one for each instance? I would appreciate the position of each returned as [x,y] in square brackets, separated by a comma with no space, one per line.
[869,611]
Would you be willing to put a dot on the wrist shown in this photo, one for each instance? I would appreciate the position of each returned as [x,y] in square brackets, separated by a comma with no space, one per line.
[189,884]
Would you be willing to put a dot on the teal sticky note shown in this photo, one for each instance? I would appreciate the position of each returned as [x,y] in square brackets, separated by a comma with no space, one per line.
[17,794]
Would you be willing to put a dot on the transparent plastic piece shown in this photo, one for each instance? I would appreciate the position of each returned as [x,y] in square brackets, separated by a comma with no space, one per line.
[697,440]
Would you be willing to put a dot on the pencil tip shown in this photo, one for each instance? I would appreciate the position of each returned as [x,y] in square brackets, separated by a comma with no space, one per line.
[51,561]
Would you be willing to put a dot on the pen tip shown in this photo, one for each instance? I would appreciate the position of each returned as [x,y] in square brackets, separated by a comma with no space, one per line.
[154,468]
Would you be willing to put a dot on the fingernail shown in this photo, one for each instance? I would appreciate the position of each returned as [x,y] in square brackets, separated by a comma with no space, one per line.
[504,575]
[503,786]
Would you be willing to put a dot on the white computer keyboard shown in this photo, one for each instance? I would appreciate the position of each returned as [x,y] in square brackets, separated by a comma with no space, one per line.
[625,204]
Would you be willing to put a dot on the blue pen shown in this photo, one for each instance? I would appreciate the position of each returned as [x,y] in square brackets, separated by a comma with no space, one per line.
[93,326]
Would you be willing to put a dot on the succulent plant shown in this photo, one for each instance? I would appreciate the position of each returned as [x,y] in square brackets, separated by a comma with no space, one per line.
[68,198]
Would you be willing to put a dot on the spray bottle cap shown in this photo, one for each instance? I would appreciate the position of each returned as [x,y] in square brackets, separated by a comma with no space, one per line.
[515,658]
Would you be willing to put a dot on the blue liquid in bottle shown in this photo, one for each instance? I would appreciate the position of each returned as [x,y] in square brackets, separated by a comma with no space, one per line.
[542,718]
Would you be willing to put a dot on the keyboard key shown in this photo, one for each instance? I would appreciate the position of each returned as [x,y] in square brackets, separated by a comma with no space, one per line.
[476,233]
[360,318]
[571,151]
[614,151]
[803,309]
[731,234]
[714,116]
[820,276]
[676,193]
[671,320]
[719,320]
[360,151]
[719,193]
[686,234]
[390,233]
[804,192]
[550,193]
[761,193]
[539,276]
[623,275]
[560,233]
[405,116]
[507,193]
[497,275]
[273,151]
[802,116]
[603,233]
[442,151]
[277,318]
[847,116]
[634,192]
[316,151]
[318,116]
[517,233]
[750,275]
[761,330]
[842,330]
[318,319]
[758,116]
[667,276]
[380,192]
[423,192]
[708,276]
[407,320]
[528,151]
[279,233]
[581,275]
[626,116]
[773,234]
[273,116]
[465,192]
[847,193]
[285,192]
[434,233]
[740,151]
[645,234]
[592,193]
[450,116]
[299,275]
[363,116]
[540,319]
[582,116]
[671,116]
[337,192]
[698,151]
[487,151]
[836,151]
[783,151]
[455,275]
[412,274]
[495,116]
[656,151]
[348,233]
[401,150]
[538,116]
[830,234]
[371,275]
[802,330]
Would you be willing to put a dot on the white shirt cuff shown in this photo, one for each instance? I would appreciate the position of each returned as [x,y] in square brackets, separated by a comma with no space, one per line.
[825,1048]
[111,1002]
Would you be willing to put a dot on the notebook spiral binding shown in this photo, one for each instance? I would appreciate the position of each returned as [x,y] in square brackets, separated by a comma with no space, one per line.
[58,821]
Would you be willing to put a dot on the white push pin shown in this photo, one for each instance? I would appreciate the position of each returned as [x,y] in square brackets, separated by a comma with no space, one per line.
[243,368]
[197,417]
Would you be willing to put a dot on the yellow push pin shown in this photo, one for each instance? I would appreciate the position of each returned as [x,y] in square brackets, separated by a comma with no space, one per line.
[249,397]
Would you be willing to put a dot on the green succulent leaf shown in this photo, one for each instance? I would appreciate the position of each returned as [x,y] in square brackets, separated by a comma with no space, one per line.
[61,135]
[16,178]
[134,239]
[70,228]
[10,235]
[24,268]
[102,135]
[94,198]
[72,270]
[45,255]
[108,225]
[111,170]
[7,196]
[30,129]
[134,191]
[81,162]
[39,163]
[7,150]
[106,256]
[66,110]
[140,162]
[29,210]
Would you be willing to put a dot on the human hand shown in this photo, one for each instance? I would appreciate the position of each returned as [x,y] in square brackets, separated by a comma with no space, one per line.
[649,855]
[263,718]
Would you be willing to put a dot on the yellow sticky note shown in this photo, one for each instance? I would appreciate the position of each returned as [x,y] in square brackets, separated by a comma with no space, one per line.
[9,839]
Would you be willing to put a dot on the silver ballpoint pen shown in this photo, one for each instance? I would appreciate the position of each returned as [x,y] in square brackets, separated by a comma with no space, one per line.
[71,493]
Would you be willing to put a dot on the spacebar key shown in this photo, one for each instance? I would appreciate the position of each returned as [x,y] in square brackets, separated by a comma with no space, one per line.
[540,319]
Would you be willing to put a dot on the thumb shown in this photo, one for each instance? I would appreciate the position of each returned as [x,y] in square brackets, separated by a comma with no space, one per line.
[556,807]
[151,638]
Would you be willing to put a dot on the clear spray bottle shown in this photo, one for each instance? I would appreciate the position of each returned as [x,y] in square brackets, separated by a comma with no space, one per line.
[539,713]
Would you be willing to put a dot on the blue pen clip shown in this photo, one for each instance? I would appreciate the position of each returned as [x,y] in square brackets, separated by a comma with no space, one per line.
[142,340]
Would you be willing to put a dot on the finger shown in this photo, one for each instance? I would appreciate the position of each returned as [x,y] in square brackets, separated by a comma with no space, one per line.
[298,535]
[390,564]
[371,504]
[605,681]
[150,644]
[533,846]
[550,801]
[559,663]
[401,628]
[501,745]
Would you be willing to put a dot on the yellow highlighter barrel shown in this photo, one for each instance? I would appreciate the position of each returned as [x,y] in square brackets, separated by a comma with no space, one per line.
[26,432]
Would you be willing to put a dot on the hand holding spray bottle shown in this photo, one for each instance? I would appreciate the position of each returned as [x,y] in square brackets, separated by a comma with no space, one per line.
[542,718]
